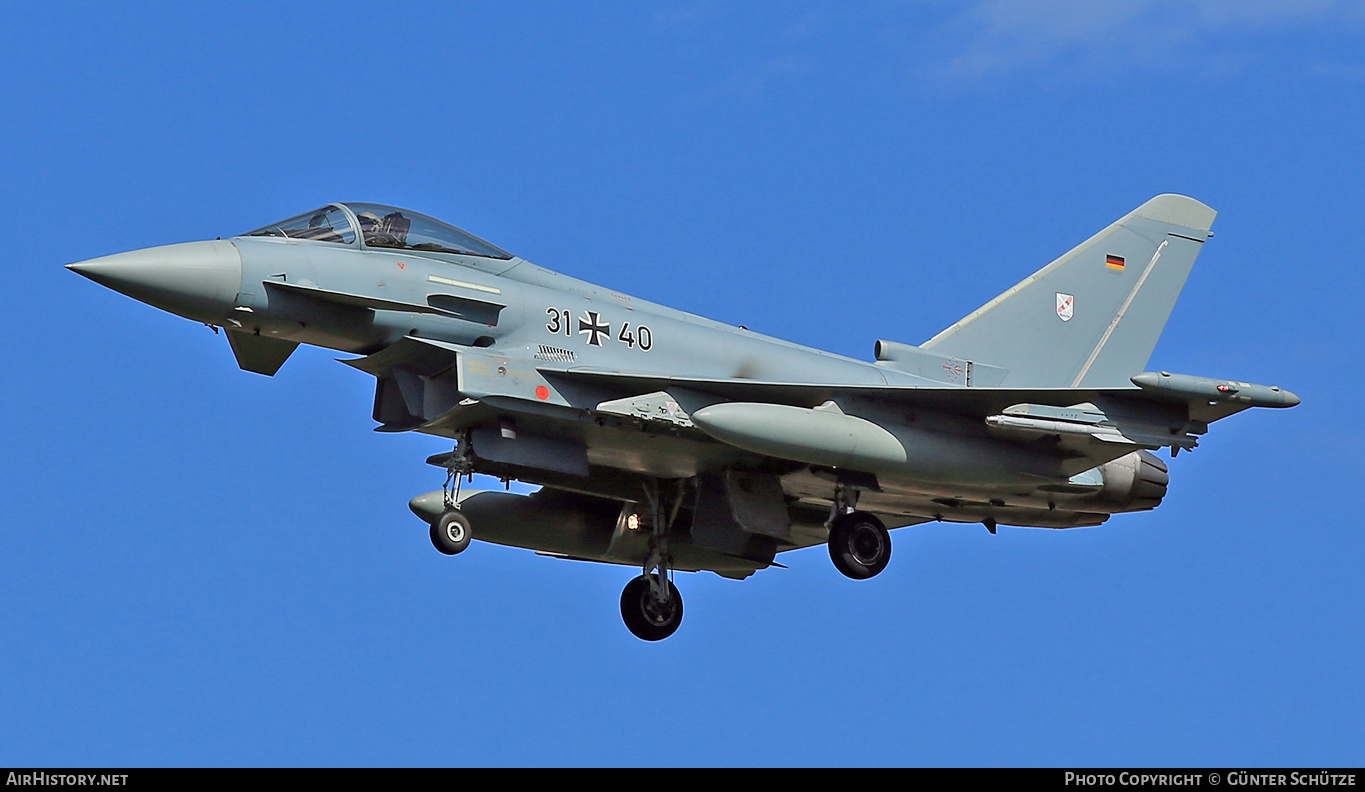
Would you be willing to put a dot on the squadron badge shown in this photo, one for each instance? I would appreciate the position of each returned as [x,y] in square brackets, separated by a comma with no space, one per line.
[1065,306]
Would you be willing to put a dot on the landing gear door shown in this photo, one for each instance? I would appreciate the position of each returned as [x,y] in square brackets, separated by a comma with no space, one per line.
[733,507]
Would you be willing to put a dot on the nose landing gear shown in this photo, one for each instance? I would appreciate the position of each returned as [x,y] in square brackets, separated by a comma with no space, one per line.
[451,532]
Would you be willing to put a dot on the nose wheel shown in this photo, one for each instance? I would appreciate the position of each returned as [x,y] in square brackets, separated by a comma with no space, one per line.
[651,607]
[859,545]
[450,534]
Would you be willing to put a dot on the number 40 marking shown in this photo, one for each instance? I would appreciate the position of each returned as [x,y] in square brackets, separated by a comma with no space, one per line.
[642,335]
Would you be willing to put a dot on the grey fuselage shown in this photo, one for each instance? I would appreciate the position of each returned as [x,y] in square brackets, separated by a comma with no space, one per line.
[1033,410]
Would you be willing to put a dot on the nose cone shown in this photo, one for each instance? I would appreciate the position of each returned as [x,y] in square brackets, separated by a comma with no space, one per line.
[197,280]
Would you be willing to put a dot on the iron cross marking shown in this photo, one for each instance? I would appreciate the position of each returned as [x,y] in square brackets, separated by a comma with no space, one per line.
[592,325]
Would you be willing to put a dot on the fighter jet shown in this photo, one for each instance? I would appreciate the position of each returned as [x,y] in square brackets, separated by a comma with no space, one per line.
[668,442]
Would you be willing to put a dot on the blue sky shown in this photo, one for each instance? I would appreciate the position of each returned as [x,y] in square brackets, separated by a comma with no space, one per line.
[209,567]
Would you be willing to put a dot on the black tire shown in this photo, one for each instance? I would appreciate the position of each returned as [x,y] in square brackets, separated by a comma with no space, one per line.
[451,533]
[646,619]
[859,545]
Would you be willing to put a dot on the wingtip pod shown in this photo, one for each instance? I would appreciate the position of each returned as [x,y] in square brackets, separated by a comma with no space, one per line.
[1178,210]
[1190,386]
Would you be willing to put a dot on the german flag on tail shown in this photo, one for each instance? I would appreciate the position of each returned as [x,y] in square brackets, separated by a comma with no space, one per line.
[1114,263]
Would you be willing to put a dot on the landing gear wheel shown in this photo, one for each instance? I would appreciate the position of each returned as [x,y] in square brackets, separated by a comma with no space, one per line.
[646,617]
[450,533]
[859,545]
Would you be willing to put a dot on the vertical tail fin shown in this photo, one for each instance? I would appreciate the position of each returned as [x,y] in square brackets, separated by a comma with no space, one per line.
[1092,317]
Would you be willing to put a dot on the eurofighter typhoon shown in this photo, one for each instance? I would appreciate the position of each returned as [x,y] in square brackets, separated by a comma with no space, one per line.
[668,442]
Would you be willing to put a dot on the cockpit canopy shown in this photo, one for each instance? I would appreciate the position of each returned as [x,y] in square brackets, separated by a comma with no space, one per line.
[379,226]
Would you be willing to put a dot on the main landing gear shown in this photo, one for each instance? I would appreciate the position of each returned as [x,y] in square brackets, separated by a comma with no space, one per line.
[859,544]
[648,615]
[651,606]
